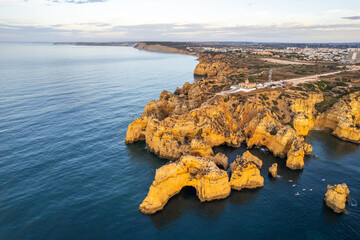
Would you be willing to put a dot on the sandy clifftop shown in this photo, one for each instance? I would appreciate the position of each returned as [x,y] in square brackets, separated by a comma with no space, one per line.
[161,48]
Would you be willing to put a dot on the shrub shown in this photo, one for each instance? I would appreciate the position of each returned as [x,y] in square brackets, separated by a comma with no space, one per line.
[273,131]
[276,109]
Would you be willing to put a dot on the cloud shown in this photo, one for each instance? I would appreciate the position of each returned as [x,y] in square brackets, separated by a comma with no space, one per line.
[77,1]
[290,32]
[352,18]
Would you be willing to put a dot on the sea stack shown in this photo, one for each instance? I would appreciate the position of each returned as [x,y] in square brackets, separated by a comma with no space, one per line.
[336,197]
[273,170]
[245,172]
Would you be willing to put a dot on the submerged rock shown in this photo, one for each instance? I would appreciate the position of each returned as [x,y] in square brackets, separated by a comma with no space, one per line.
[336,197]
[245,172]
[273,170]
[209,181]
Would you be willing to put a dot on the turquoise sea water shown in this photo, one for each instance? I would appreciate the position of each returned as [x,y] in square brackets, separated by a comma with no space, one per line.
[65,172]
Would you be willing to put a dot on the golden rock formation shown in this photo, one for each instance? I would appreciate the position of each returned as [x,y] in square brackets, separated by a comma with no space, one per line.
[295,156]
[245,173]
[343,118]
[211,69]
[265,130]
[336,197]
[220,160]
[273,170]
[304,109]
[171,131]
[209,181]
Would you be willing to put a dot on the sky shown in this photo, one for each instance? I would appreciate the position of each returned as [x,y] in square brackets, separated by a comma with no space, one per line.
[185,20]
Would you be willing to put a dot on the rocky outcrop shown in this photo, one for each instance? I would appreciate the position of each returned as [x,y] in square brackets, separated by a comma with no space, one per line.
[220,160]
[173,136]
[343,118]
[336,197]
[265,130]
[209,181]
[304,109]
[295,156]
[273,170]
[172,127]
[245,172]
[211,69]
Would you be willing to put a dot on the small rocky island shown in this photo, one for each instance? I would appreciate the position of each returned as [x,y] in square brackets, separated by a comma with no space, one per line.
[184,126]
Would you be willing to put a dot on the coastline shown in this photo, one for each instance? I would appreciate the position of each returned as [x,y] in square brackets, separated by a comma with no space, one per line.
[147,46]
[191,122]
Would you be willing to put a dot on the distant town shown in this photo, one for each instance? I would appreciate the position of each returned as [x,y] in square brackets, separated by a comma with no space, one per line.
[348,53]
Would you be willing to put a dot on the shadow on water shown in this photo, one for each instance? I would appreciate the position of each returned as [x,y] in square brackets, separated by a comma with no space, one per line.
[244,196]
[267,158]
[329,215]
[139,152]
[326,144]
[183,202]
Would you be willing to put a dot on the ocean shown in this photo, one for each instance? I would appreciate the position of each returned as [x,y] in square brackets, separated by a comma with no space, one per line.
[66,173]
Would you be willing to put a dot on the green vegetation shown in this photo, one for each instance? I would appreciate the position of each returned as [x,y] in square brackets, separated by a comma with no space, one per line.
[264,97]
[275,102]
[324,86]
[290,124]
[328,102]
[273,131]
[276,109]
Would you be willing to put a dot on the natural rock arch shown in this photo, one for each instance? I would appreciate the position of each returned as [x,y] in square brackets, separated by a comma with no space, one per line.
[209,181]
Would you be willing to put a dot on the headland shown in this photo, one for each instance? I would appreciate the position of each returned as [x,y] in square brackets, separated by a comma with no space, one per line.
[242,97]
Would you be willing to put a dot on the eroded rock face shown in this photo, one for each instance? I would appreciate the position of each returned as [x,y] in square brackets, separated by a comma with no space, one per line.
[209,66]
[211,69]
[209,181]
[265,130]
[173,136]
[343,118]
[171,133]
[304,109]
[245,173]
[336,197]
[295,156]
[273,170]
[220,160]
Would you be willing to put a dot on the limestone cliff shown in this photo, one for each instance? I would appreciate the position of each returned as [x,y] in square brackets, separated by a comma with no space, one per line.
[209,181]
[176,125]
[160,48]
[171,134]
[304,109]
[211,69]
[336,197]
[245,172]
[343,118]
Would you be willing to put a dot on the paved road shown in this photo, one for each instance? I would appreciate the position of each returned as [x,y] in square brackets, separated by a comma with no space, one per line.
[236,89]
